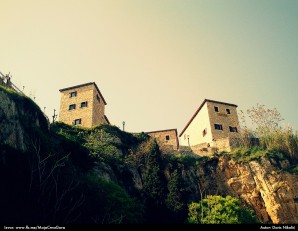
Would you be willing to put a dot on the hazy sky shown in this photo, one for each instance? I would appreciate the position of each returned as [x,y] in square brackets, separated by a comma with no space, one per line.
[155,61]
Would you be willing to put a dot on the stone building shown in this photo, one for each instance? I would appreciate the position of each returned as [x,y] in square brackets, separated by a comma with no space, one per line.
[82,105]
[167,137]
[213,124]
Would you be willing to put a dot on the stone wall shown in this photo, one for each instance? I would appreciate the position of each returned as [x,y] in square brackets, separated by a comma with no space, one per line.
[223,118]
[90,116]
[98,109]
[207,149]
[161,137]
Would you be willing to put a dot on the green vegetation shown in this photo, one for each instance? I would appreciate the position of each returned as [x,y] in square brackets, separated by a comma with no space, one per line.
[188,159]
[275,141]
[108,203]
[247,154]
[220,210]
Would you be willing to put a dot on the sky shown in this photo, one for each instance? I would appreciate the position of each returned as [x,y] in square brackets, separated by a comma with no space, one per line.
[155,61]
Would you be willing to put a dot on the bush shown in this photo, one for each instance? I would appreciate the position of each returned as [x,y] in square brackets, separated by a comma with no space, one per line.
[220,210]
[108,203]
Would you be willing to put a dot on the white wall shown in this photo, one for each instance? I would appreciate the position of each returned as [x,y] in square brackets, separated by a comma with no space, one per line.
[195,129]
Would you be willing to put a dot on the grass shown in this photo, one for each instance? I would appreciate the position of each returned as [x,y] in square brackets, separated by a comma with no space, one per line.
[247,154]
[186,159]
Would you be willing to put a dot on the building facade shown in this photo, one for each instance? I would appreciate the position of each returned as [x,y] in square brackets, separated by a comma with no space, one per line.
[167,137]
[82,105]
[212,121]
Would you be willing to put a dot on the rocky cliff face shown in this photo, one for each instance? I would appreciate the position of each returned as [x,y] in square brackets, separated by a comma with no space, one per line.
[270,191]
[17,114]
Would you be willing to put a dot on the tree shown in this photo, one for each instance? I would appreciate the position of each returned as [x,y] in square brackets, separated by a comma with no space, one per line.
[264,117]
[220,210]
[174,200]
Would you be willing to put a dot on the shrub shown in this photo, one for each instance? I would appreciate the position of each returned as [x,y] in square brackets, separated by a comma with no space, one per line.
[108,203]
[220,210]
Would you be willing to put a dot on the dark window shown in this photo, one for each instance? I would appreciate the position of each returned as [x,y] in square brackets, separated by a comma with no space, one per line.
[228,111]
[167,137]
[233,129]
[72,107]
[204,132]
[216,109]
[73,94]
[77,121]
[84,104]
[98,98]
[218,126]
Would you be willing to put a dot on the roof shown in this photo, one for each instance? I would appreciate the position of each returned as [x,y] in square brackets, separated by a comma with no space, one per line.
[83,85]
[206,100]
[166,130]
[106,118]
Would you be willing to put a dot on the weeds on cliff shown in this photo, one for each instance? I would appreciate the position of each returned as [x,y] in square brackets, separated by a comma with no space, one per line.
[186,159]
[283,139]
[246,154]
[268,132]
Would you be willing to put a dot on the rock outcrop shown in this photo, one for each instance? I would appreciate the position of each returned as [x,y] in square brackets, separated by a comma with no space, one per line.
[270,191]
[18,114]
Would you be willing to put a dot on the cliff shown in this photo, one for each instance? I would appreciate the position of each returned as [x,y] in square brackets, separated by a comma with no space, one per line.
[262,184]
[67,174]
[19,117]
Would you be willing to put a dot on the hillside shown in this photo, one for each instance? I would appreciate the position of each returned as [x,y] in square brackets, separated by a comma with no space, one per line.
[61,174]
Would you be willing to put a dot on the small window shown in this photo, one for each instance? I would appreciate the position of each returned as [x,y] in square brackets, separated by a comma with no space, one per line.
[228,111]
[167,137]
[84,104]
[204,132]
[218,126]
[72,107]
[73,94]
[233,129]
[77,121]
[216,109]
[98,98]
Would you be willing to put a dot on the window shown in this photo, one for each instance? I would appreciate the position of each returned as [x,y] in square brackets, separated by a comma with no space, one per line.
[98,98]
[77,121]
[167,137]
[218,126]
[228,111]
[204,132]
[72,107]
[233,129]
[73,94]
[216,109]
[84,104]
